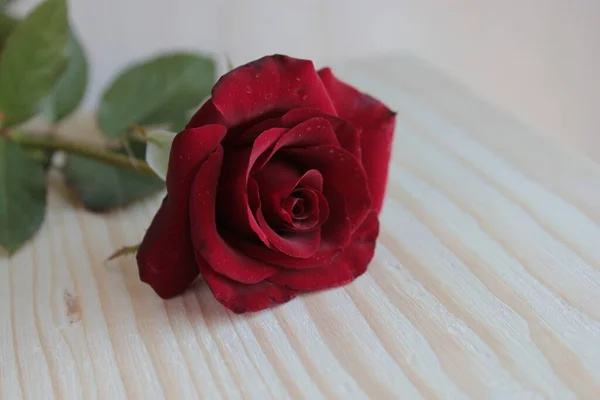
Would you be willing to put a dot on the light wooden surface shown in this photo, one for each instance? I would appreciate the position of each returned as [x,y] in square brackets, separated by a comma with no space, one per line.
[485,285]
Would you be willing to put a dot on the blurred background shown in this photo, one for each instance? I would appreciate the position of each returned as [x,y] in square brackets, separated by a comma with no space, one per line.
[537,59]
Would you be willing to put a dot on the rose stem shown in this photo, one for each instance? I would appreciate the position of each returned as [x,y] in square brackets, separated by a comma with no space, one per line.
[97,153]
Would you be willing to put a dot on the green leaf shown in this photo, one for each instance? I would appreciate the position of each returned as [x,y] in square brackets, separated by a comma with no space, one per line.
[34,57]
[177,123]
[7,24]
[160,90]
[103,187]
[70,88]
[22,195]
[174,119]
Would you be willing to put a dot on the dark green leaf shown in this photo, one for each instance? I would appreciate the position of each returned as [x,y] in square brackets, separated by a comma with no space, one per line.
[41,156]
[7,24]
[22,195]
[102,187]
[165,87]
[70,88]
[33,59]
[176,123]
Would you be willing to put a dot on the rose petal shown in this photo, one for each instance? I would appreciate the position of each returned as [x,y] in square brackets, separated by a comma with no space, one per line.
[241,298]
[290,204]
[337,231]
[276,181]
[346,190]
[313,132]
[311,179]
[347,135]
[189,149]
[376,122]
[253,195]
[247,137]
[207,114]
[233,203]
[264,142]
[279,178]
[341,172]
[166,258]
[207,241]
[294,244]
[259,251]
[272,83]
[323,208]
[376,144]
[233,206]
[316,210]
[346,267]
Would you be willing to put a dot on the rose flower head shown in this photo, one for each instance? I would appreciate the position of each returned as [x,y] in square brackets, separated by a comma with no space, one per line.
[274,188]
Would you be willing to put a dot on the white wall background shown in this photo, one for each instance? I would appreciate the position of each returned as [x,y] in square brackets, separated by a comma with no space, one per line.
[539,59]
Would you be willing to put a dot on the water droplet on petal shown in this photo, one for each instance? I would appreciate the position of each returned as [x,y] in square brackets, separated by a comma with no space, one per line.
[268,96]
[248,89]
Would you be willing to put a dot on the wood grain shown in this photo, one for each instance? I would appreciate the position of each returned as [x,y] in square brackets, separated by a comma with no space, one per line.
[485,284]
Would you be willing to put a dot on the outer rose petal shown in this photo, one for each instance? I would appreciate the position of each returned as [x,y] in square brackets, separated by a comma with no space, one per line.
[166,257]
[190,148]
[241,298]
[207,114]
[270,84]
[208,243]
[376,122]
[347,266]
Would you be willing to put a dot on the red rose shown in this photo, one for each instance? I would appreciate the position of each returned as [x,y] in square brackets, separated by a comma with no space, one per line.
[273,189]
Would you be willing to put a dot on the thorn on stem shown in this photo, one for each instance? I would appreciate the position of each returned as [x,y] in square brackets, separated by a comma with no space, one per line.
[123,251]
